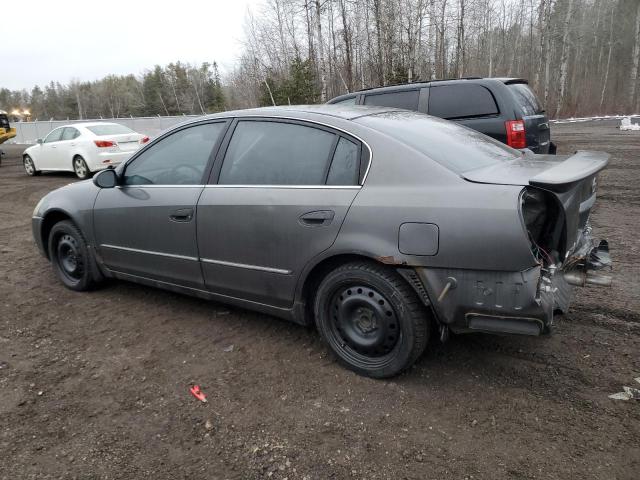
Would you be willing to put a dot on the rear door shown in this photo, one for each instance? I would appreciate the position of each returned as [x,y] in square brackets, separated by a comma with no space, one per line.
[536,123]
[147,226]
[279,196]
[469,104]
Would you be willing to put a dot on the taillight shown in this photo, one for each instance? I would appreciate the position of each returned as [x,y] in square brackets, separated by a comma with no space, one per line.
[516,135]
[144,140]
[104,143]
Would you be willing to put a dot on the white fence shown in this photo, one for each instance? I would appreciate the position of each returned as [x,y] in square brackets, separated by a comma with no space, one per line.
[29,132]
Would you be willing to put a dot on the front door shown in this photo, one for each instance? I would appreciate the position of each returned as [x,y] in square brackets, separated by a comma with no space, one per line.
[147,226]
[282,193]
[49,152]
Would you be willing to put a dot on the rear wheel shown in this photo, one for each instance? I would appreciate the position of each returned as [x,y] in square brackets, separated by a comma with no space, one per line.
[80,168]
[29,166]
[371,319]
[70,256]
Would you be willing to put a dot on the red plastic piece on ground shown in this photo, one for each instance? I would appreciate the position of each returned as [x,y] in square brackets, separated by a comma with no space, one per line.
[196,392]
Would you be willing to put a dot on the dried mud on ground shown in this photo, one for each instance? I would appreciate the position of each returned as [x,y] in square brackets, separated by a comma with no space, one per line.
[96,385]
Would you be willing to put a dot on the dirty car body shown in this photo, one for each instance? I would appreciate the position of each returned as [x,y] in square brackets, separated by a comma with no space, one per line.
[411,222]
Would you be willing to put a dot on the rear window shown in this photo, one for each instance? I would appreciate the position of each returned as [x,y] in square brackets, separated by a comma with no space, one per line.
[407,99]
[457,148]
[526,98]
[461,101]
[112,129]
[4,121]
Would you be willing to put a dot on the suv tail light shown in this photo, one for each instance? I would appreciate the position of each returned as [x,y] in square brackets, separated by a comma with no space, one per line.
[104,143]
[516,134]
[144,140]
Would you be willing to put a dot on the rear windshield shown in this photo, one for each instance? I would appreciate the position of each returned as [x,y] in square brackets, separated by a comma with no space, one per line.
[112,129]
[456,147]
[4,121]
[526,98]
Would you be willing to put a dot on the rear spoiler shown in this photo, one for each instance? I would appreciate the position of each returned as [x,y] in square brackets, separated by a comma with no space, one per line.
[578,166]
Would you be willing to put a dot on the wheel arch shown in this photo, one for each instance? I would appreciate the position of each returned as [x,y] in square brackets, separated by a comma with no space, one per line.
[316,271]
[48,221]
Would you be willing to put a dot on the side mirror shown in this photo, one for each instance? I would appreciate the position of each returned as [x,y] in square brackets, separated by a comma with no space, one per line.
[39,140]
[106,178]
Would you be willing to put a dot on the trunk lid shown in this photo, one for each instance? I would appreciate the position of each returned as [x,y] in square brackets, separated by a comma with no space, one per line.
[127,142]
[572,179]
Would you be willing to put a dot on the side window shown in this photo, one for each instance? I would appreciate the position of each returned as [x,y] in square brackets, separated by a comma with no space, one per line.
[179,159]
[461,101]
[275,153]
[70,133]
[345,166]
[54,136]
[407,99]
[347,101]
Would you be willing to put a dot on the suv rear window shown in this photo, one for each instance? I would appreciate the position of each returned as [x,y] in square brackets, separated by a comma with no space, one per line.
[461,101]
[113,129]
[525,98]
[407,99]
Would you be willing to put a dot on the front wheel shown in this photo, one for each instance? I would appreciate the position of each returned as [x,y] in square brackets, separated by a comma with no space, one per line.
[80,168]
[371,319]
[70,257]
[29,166]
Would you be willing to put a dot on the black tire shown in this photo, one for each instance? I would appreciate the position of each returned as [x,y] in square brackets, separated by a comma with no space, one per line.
[372,320]
[29,166]
[71,258]
[80,168]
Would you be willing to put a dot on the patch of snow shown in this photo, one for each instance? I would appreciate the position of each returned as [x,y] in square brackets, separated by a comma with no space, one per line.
[625,124]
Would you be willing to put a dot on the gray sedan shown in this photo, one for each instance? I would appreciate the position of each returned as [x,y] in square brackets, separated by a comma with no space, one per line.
[378,226]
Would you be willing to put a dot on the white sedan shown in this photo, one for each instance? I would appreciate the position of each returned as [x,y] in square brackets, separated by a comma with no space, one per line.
[82,148]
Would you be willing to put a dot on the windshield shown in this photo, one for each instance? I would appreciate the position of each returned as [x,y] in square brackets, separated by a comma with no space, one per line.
[456,147]
[110,129]
[526,98]
[4,121]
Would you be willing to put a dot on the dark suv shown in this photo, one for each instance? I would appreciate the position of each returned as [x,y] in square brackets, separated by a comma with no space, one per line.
[503,108]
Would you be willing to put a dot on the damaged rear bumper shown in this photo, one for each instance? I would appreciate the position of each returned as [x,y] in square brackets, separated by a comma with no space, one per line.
[521,302]
[490,301]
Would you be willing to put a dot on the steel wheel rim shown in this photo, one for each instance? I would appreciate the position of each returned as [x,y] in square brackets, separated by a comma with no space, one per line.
[69,258]
[28,166]
[363,325]
[81,170]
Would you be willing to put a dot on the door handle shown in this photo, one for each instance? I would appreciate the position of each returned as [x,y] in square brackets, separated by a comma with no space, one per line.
[318,217]
[181,215]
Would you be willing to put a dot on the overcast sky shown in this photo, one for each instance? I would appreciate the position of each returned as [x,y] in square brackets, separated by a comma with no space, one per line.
[87,40]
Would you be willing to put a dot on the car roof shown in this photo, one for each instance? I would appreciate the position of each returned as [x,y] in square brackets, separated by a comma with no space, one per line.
[443,81]
[346,112]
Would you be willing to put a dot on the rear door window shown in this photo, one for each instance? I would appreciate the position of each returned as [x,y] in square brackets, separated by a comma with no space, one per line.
[345,166]
[461,101]
[347,101]
[70,133]
[407,99]
[276,153]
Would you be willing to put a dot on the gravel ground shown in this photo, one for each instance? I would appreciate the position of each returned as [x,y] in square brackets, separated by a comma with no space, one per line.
[95,385]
